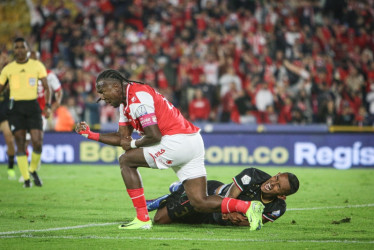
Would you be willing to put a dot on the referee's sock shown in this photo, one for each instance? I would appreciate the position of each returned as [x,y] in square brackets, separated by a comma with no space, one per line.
[138,200]
[35,159]
[23,165]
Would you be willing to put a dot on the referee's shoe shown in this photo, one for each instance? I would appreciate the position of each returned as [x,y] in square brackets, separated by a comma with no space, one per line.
[37,181]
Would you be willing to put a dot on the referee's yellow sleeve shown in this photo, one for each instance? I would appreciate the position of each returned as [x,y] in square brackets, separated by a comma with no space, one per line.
[42,71]
[3,76]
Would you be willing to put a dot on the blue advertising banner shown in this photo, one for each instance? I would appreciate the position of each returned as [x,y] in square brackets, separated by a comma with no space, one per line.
[341,151]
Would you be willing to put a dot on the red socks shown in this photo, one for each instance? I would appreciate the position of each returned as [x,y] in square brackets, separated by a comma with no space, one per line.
[230,205]
[137,197]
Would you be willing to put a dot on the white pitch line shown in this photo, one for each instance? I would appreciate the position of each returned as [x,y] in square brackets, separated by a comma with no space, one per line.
[335,207]
[59,228]
[113,223]
[184,239]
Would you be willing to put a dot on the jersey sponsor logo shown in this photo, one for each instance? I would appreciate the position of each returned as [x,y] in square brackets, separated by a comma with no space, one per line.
[32,81]
[246,179]
[160,152]
[148,120]
[341,157]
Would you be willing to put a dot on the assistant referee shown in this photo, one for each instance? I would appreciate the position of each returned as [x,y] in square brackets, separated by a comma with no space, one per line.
[25,114]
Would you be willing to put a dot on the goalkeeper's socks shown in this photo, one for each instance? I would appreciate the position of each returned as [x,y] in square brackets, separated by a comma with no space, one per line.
[137,197]
[230,205]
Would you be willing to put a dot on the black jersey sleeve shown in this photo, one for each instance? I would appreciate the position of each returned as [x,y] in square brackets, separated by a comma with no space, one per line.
[250,178]
[274,210]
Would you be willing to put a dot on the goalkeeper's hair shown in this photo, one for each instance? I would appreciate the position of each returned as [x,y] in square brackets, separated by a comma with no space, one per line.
[114,75]
[294,183]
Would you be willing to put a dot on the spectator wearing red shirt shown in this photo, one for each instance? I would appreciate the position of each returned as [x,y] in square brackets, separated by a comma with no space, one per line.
[196,70]
[199,107]
[151,28]
[229,109]
[285,115]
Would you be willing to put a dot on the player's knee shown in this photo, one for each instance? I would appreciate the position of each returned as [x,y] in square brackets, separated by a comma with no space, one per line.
[123,161]
[19,140]
[37,147]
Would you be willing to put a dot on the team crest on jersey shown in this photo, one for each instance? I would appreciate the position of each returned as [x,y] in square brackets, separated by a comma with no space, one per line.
[276,213]
[32,81]
[246,179]
[133,99]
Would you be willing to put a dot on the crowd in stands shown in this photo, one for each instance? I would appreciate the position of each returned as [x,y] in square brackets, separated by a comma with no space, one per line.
[241,61]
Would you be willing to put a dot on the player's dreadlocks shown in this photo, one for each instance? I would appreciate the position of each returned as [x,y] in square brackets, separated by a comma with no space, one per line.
[111,74]
[115,75]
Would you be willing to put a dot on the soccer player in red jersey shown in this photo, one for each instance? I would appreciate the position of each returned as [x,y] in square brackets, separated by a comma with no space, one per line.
[167,140]
[54,85]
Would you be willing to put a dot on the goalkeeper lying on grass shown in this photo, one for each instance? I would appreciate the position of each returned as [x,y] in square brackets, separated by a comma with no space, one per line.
[250,184]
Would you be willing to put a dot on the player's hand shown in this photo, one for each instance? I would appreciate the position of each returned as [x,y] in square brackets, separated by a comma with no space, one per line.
[46,112]
[55,106]
[125,143]
[235,218]
[82,128]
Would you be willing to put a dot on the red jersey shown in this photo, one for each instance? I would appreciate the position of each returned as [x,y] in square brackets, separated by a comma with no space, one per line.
[54,85]
[145,107]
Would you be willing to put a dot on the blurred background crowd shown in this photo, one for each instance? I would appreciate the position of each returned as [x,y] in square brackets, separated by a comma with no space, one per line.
[240,61]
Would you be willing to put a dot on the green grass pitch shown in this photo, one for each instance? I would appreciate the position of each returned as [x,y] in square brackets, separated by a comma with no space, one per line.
[80,207]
